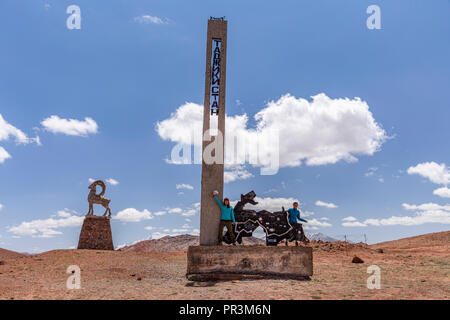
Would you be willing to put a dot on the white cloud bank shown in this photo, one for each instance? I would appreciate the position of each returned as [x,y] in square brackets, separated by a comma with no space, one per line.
[318,132]
[47,228]
[424,213]
[70,127]
[329,205]
[8,131]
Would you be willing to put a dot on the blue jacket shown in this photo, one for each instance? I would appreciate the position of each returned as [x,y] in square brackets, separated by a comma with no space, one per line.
[294,214]
[227,213]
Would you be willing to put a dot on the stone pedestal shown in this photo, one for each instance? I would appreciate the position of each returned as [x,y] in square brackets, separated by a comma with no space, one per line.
[209,263]
[96,234]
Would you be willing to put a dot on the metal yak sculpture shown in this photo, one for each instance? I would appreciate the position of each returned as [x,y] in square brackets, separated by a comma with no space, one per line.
[275,224]
[94,198]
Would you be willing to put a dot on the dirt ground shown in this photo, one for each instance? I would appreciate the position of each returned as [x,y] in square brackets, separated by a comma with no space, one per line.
[410,269]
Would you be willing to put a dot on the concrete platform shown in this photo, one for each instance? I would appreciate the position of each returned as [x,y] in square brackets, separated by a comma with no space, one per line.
[211,263]
[96,234]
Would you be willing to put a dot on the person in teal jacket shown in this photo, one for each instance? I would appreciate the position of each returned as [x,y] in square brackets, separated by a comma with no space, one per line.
[226,219]
[294,217]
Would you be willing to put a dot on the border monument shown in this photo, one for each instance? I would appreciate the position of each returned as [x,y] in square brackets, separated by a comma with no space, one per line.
[211,261]
[213,113]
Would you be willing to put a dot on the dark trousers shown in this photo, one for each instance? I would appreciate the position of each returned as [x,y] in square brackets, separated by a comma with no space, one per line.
[229,225]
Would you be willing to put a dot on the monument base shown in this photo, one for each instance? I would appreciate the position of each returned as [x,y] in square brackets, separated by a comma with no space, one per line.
[211,263]
[96,234]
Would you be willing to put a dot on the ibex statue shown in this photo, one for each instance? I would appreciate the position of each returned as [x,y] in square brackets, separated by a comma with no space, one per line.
[94,198]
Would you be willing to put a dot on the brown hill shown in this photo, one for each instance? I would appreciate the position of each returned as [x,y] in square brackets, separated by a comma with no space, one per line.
[8,254]
[176,243]
[429,239]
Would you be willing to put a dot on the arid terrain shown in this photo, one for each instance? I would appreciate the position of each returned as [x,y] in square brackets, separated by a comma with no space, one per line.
[411,268]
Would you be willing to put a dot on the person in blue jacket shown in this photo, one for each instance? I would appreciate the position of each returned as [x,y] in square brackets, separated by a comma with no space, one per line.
[294,217]
[226,219]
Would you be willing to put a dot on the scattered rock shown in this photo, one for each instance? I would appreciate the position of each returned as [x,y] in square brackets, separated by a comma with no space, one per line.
[2,263]
[357,259]
[139,279]
[379,250]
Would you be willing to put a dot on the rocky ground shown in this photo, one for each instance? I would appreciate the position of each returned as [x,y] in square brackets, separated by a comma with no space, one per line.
[413,268]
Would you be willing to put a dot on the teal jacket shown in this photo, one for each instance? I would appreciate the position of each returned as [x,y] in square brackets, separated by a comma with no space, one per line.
[227,213]
[294,214]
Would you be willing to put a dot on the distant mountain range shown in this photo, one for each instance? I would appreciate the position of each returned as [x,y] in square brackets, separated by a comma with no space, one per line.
[320,236]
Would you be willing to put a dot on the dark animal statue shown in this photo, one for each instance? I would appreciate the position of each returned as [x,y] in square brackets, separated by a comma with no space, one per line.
[275,224]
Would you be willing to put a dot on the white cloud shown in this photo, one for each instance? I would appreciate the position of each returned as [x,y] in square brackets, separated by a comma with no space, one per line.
[64,213]
[184,212]
[1,207]
[237,172]
[195,232]
[133,215]
[442,192]
[160,213]
[147,19]
[4,155]
[326,131]
[436,173]
[189,212]
[351,221]
[354,224]
[149,228]
[326,204]
[317,223]
[112,181]
[184,186]
[71,127]
[371,171]
[175,210]
[8,131]
[46,228]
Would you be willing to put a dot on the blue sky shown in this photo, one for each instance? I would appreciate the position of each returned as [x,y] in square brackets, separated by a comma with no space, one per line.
[133,64]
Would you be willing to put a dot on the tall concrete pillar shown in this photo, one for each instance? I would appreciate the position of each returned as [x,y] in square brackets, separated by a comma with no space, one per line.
[214,106]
